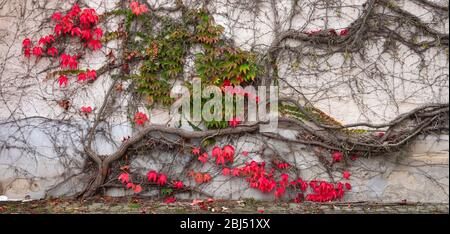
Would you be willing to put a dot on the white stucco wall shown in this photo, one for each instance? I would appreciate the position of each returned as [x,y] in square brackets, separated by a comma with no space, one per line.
[30,162]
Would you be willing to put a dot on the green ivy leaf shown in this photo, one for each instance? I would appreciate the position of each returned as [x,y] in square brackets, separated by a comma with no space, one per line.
[251,75]
[166,191]
[244,68]
[194,127]
[208,142]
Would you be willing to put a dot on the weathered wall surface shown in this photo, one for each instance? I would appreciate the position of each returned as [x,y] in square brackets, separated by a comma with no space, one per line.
[41,152]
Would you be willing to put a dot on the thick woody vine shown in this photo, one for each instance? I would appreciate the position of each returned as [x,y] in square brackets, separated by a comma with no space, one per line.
[152,53]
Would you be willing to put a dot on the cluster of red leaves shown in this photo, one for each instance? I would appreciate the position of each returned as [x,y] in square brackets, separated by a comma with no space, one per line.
[227,83]
[89,74]
[178,184]
[153,177]
[196,151]
[140,118]
[346,175]
[283,166]
[125,179]
[221,155]
[76,23]
[161,180]
[324,191]
[137,8]
[63,80]
[234,122]
[68,61]
[226,154]
[38,50]
[203,157]
[299,184]
[79,23]
[258,178]
[227,88]
[282,184]
[256,175]
[200,178]
[86,109]
[337,156]
[158,178]
[263,180]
